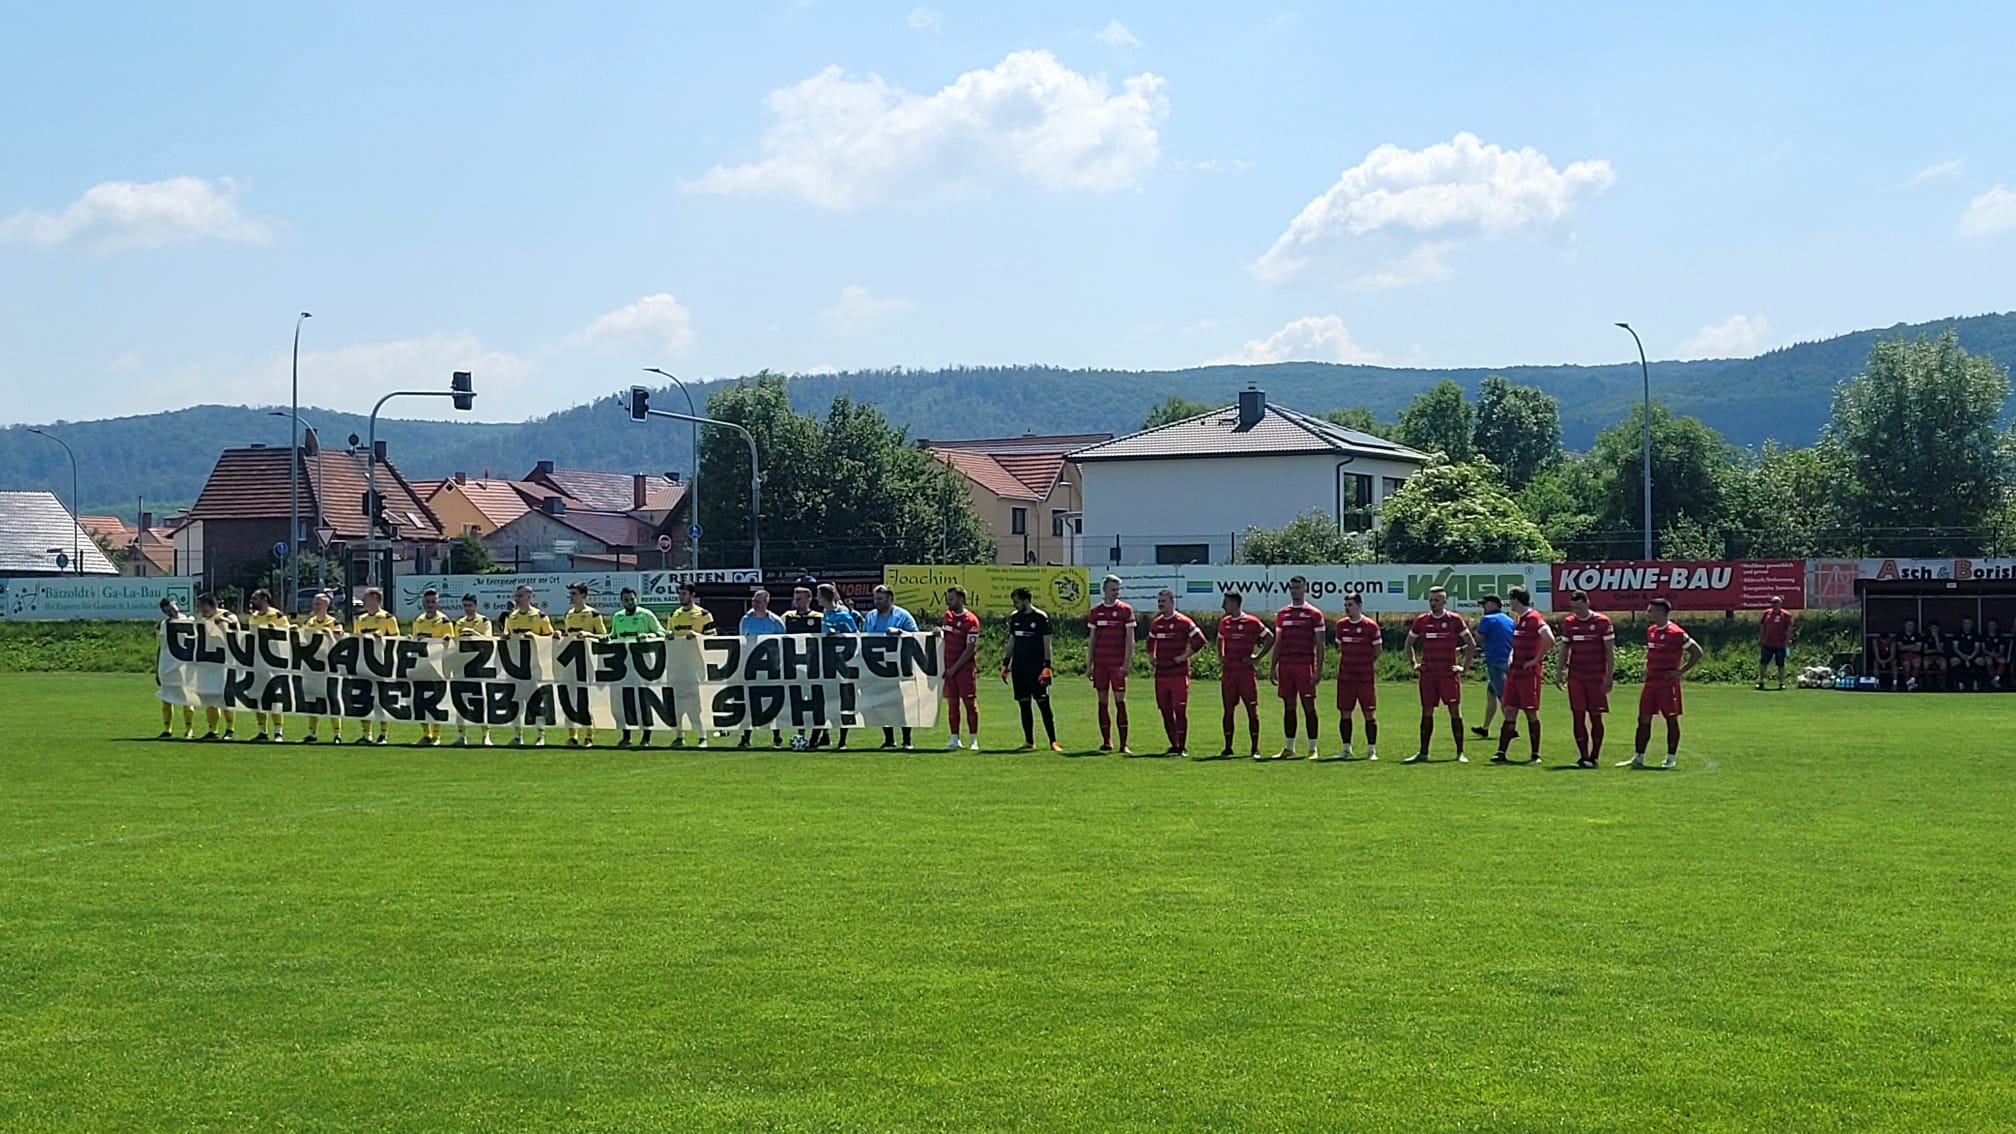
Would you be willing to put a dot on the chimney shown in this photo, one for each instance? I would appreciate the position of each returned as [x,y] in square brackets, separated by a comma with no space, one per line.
[640,491]
[378,451]
[553,506]
[461,478]
[673,476]
[545,469]
[309,442]
[258,445]
[146,521]
[1252,407]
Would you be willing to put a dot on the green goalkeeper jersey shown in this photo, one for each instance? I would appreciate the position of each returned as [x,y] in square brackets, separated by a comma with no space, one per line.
[642,624]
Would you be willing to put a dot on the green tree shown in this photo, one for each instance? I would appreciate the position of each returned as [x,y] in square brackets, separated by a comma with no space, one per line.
[468,556]
[1359,418]
[1917,431]
[1459,513]
[1787,505]
[1172,409]
[1312,537]
[1563,501]
[1439,420]
[1693,472]
[1518,429]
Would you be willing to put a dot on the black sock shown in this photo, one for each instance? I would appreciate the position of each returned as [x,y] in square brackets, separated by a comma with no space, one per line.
[1049,722]
[1371,731]
[1028,723]
[1427,732]
[1344,728]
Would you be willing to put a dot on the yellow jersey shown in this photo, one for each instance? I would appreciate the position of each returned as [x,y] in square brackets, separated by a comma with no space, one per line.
[381,624]
[270,618]
[472,626]
[584,623]
[222,620]
[684,623]
[436,625]
[530,621]
[322,624]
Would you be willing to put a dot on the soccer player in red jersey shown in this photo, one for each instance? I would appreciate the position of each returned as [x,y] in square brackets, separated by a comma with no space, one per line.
[1298,661]
[1112,650]
[961,628]
[1358,643]
[1532,641]
[1774,637]
[1587,668]
[1242,640]
[1173,639]
[1446,647]
[1669,654]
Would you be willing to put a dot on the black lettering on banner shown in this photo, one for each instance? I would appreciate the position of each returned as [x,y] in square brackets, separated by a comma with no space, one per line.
[612,661]
[731,661]
[539,706]
[500,702]
[411,652]
[574,705]
[313,695]
[573,655]
[766,704]
[478,657]
[848,715]
[919,655]
[180,641]
[427,699]
[808,706]
[729,705]
[243,648]
[278,696]
[343,656]
[656,705]
[308,651]
[357,698]
[837,660]
[800,658]
[875,655]
[269,651]
[648,659]
[209,647]
[396,698]
[379,656]
[515,656]
[238,685]
[467,697]
[763,660]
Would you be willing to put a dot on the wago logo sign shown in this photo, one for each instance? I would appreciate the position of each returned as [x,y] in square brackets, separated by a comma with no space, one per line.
[1388,588]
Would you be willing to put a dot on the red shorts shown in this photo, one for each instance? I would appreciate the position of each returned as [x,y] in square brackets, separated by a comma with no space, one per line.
[1440,689]
[1239,687]
[1357,693]
[1172,689]
[1522,690]
[1295,681]
[1586,695]
[1109,677]
[962,686]
[1659,699]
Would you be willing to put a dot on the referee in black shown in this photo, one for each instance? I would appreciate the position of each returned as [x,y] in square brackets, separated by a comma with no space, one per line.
[1028,666]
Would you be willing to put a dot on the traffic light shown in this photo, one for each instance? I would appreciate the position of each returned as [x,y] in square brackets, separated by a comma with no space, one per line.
[640,403]
[463,387]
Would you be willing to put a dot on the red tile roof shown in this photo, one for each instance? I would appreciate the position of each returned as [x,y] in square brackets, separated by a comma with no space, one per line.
[158,550]
[608,491]
[502,501]
[1023,468]
[986,472]
[116,531]
[251,484]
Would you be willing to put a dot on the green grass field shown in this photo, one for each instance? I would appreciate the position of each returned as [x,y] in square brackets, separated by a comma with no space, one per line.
[1810,926]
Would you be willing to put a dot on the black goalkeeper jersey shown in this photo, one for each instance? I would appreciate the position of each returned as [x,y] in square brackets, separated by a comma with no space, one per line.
[1026,631]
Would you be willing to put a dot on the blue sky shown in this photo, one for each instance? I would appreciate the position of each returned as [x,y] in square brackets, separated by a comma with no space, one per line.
[553,198]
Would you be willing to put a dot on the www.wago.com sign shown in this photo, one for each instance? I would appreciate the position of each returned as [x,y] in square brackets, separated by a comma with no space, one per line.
[1385,588]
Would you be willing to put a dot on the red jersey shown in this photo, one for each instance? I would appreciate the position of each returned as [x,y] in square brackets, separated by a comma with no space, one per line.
[1109,633]
[1775,629]
[959,629]
[1168,636]
[1298,632]
[1440,635]
[1238,637]
[1585,638]
[1663,647]
[1358,644]
[1526,638]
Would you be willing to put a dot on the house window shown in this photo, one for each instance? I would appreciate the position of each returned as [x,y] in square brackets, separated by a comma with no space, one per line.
[1361,490]
[1390,485]
[1061,524]
[1018,521]
[1179,554]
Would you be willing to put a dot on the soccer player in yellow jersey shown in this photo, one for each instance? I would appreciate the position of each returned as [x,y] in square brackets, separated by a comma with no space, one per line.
[525,621]
[472,624]
[689,620]
[264,615]
[375,622]
[170,612]
[320,621]
[431,623]
[581,621]
[219,619]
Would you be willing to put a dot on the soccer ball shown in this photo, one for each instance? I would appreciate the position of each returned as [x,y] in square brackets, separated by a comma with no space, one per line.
[800,742]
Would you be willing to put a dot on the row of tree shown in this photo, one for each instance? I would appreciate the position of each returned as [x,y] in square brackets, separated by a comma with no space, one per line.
[1915,460]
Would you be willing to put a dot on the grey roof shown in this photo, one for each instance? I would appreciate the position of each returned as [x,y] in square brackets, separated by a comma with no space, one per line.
[1279,432]
[33,522]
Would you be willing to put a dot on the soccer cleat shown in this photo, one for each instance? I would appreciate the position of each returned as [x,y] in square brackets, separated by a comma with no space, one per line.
[1126,751]
[539,741]
[624,741]
[1027,747]
[486,740]
[1372,752]
[278,737]
[953,744]
[1056,747]
[208,736]
[679,740]
[1501,758]
[1670,763]
[973,742]
[1533,759]
[1462,759]
[1286,753]
[229,735]
[1587,762]
[743,743]
[703,740]
[261,738]
[517,740]
[1347,753]
[384,739]
[166,734]
[573,742]
[588,743]
[1227,754]
[311,738]
[1417,758]
[189,734]
[644,741]
[1315,756]
[461,742]
[1637,761]
[1480,732]
[1105,748]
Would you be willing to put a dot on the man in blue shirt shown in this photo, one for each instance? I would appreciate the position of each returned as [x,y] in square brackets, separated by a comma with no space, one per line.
[840,619]
[885,617]
[1494,633]
[759,621]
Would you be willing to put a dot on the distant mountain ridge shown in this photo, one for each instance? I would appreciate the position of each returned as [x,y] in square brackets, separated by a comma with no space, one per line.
[1784,394]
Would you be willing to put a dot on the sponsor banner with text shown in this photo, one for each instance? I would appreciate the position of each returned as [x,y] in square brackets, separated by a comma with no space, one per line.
[109,597]
[1057,590]
[1832,581]
[1627,585]
[1384,588]
[549,589]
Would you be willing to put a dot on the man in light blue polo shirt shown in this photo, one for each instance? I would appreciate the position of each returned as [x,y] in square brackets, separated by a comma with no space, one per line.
[885,617]
[1494,633]
[759,621]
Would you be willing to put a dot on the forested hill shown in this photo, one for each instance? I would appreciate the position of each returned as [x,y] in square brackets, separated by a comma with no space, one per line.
[1785,394]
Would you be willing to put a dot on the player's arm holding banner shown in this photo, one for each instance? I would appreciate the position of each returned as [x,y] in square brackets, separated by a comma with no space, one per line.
[375,622]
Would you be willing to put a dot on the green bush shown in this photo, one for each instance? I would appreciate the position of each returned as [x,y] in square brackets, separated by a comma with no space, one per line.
[77,647]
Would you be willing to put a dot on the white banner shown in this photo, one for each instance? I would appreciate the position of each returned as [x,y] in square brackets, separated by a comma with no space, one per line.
[1385,588]
[729,683]
[549,589]
[121,597]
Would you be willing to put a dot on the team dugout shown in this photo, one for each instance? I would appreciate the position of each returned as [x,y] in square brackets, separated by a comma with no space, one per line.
[1937,634]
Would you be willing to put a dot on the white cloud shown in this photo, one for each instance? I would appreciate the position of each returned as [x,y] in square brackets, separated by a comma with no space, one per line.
[858,310]
[843,143]
[1214,165]
[1936,170]
[1738,336]
[409,363]
[1312,338]
[1448,193]
[658,319]
[1115,34]
[125,215]
[924,19]
[1990,213]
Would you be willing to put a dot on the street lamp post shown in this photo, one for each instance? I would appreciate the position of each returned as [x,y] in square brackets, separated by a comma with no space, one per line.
[321,486]
[692,486]
[294,475]
[76,521]
[462,389]
[1645,371]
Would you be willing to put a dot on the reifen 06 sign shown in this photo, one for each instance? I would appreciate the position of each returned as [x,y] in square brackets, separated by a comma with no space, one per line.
[1627,585]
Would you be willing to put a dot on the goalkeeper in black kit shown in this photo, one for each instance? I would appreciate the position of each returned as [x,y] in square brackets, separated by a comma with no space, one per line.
[1027,667]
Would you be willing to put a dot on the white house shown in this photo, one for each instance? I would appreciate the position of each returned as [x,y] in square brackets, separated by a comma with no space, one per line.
[1182,493]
